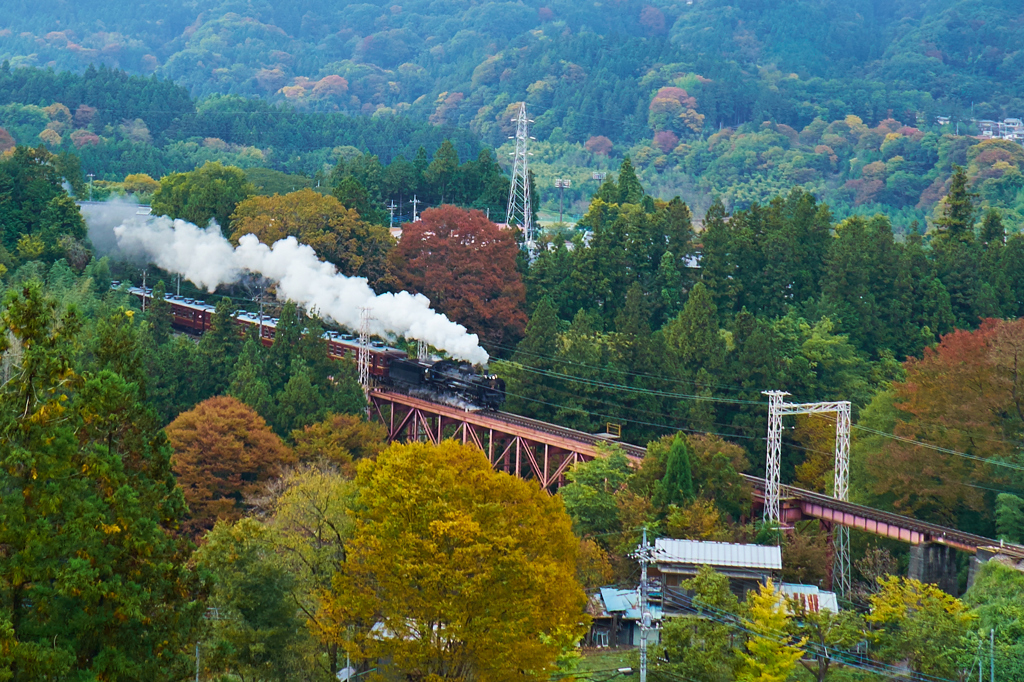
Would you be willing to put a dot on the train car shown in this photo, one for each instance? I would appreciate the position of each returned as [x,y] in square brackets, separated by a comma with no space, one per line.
[195,317]
[189,314]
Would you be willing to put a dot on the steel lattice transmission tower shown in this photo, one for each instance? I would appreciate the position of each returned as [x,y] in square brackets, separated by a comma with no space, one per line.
[519,212]
[841,487]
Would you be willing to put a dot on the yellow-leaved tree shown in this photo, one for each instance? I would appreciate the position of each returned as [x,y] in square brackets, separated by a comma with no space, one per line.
[919,623]
[455,571]
[769,656]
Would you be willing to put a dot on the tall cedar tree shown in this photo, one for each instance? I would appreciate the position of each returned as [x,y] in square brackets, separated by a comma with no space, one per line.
[223,453]
[959,210]
[487,590]
[93,572]
[676,488]
[466,266]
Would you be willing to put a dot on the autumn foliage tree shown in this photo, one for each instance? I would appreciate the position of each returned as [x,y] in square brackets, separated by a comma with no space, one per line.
[223,453]
[335,232]
[466,266]
[472,571]
[966,395]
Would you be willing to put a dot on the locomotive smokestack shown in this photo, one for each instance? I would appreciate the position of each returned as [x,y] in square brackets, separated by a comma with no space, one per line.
[206,258]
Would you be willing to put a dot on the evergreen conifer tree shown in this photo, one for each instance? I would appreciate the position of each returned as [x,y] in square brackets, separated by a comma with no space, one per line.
[957,221]
[676,488]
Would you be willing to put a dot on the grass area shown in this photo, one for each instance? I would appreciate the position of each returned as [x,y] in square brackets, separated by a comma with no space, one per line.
[606,659]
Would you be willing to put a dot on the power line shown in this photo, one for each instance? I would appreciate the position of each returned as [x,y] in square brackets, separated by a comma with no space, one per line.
[633,389]
[616,371]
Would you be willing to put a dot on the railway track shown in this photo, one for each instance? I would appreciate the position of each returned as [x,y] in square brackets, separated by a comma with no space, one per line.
[634,451]
[931,529]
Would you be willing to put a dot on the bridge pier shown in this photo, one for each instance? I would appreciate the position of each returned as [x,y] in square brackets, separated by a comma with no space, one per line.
[931,562]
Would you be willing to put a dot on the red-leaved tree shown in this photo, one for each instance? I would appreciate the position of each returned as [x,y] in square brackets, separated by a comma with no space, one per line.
[466,266]
[966,395]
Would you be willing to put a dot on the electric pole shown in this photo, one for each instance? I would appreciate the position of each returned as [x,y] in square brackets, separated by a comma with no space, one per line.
[519,211]
[414,201]
[90,176]
[561,184]
[391,209]
[644,554]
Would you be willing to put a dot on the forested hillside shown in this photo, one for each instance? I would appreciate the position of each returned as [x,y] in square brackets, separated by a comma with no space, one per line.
[742,100]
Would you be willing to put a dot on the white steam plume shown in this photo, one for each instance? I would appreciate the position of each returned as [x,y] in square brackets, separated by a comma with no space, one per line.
[207,259]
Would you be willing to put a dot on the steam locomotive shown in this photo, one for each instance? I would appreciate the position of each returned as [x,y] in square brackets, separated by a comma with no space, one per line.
[447,381]
[444,381]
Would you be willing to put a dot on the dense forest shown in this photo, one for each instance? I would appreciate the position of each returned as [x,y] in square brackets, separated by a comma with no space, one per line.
[706,98]
[163,477]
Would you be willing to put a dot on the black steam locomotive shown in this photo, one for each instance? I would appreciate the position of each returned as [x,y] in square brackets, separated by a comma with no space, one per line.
[447,381]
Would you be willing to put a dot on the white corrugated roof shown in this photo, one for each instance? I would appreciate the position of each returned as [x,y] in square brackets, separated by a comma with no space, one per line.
[717,554]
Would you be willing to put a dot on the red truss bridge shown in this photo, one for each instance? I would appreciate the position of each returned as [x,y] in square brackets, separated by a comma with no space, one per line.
[530,448]
[525,447]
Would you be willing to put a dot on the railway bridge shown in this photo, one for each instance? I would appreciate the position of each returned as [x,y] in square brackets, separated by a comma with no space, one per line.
[535,449]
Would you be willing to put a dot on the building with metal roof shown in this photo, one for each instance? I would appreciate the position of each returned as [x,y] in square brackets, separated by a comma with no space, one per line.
[746,566]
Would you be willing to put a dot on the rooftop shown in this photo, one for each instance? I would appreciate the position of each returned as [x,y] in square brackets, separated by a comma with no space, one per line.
[668,551]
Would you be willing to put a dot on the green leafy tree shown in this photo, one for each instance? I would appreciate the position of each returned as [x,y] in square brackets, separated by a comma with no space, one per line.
[442,170]
[701,647]
[590,494]
[257,634]
[1009,517]
[922,625]
[826,630]
[630,190]
[93,572]
[210,192]
[158,314]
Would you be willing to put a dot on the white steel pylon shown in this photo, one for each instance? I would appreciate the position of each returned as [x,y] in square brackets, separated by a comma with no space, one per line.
[520,213]
[841,488]
[363,357]
[773,470]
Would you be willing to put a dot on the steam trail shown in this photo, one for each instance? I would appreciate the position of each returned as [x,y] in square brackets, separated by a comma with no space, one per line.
[207,259]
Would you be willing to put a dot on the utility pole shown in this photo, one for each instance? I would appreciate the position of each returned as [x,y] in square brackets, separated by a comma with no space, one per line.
[177,291]
[391,209]
[992,654]
[561,184]
[643,555]
[90,176]
[519,212]
[143,291]
[414,201]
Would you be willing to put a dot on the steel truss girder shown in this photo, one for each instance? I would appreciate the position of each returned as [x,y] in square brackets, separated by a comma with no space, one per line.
[513,453]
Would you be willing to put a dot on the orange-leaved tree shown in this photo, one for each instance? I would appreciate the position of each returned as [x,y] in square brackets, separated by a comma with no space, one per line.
[466,266]
[223,453]
[965,395]
[455,570]
[336,233]
[339,439]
